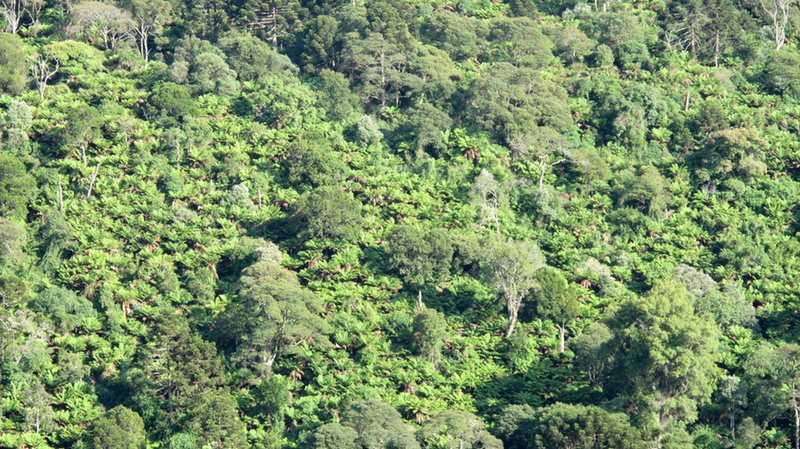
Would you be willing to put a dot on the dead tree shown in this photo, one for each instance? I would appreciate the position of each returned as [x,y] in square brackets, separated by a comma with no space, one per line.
[43,71]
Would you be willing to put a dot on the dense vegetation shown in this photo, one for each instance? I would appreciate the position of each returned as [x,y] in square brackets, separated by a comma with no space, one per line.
[428,224]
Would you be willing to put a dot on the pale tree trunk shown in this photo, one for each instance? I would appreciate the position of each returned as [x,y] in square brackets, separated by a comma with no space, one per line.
[91,182]
[778,12]
[513,314]
[542,168]
[43,72]
[543,165]
[796,427]
[12,11]
[34,10]
[512,323]
[60,195]
[143,31]
[420,304]
[561,334]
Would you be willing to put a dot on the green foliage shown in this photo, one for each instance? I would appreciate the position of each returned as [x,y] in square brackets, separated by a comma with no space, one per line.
[624,171]
[328,212]
[13,64]
[555,299]
[567,426]
[510,268]
[419,256]
[430,334]
[665,352]
[17,187]
[507,100]
[378,425]
[119,428]
[274,316]
[334,436]
[456,430]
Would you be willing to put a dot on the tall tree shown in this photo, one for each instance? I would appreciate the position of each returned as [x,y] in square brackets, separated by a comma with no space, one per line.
[567,426]
[419,256]
[119,428]
[214,420]
[150,17]
[273,316]
[509,267]
[489,195]
[17,187]
[430,334]
[556,299]
[664,356]
[13,11]
[509,100]
[94,18]
[378,68]
[775,374]
[176,365]
[13,64]
[453,429]
[328,212]
[777,12]
[379,426]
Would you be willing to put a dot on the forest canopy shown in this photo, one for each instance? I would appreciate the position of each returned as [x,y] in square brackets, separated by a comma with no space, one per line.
[393,224]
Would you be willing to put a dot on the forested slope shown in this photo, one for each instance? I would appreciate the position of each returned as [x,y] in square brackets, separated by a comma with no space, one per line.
[399,224]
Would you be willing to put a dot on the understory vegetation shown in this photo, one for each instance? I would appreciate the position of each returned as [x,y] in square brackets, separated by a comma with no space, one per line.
[399,224]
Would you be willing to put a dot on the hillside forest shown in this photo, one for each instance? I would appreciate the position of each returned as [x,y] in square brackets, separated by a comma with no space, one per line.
[399,224]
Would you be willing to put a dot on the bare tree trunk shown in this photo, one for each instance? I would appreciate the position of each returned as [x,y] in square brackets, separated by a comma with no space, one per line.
[420,304]
[91,182]
[561,334]
[513,312]
[143,31]
[543,167]
[60,195]
[12,11]
[43,72]
[778,12]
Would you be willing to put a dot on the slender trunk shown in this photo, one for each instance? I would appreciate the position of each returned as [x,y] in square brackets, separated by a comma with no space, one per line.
[274,25]
[688,101]
[60,195]
[732,418]
[91,182]
[383,78]
[561,332]
[420,304]
[512,321]
[796,427]
[146,50]
[543,167]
